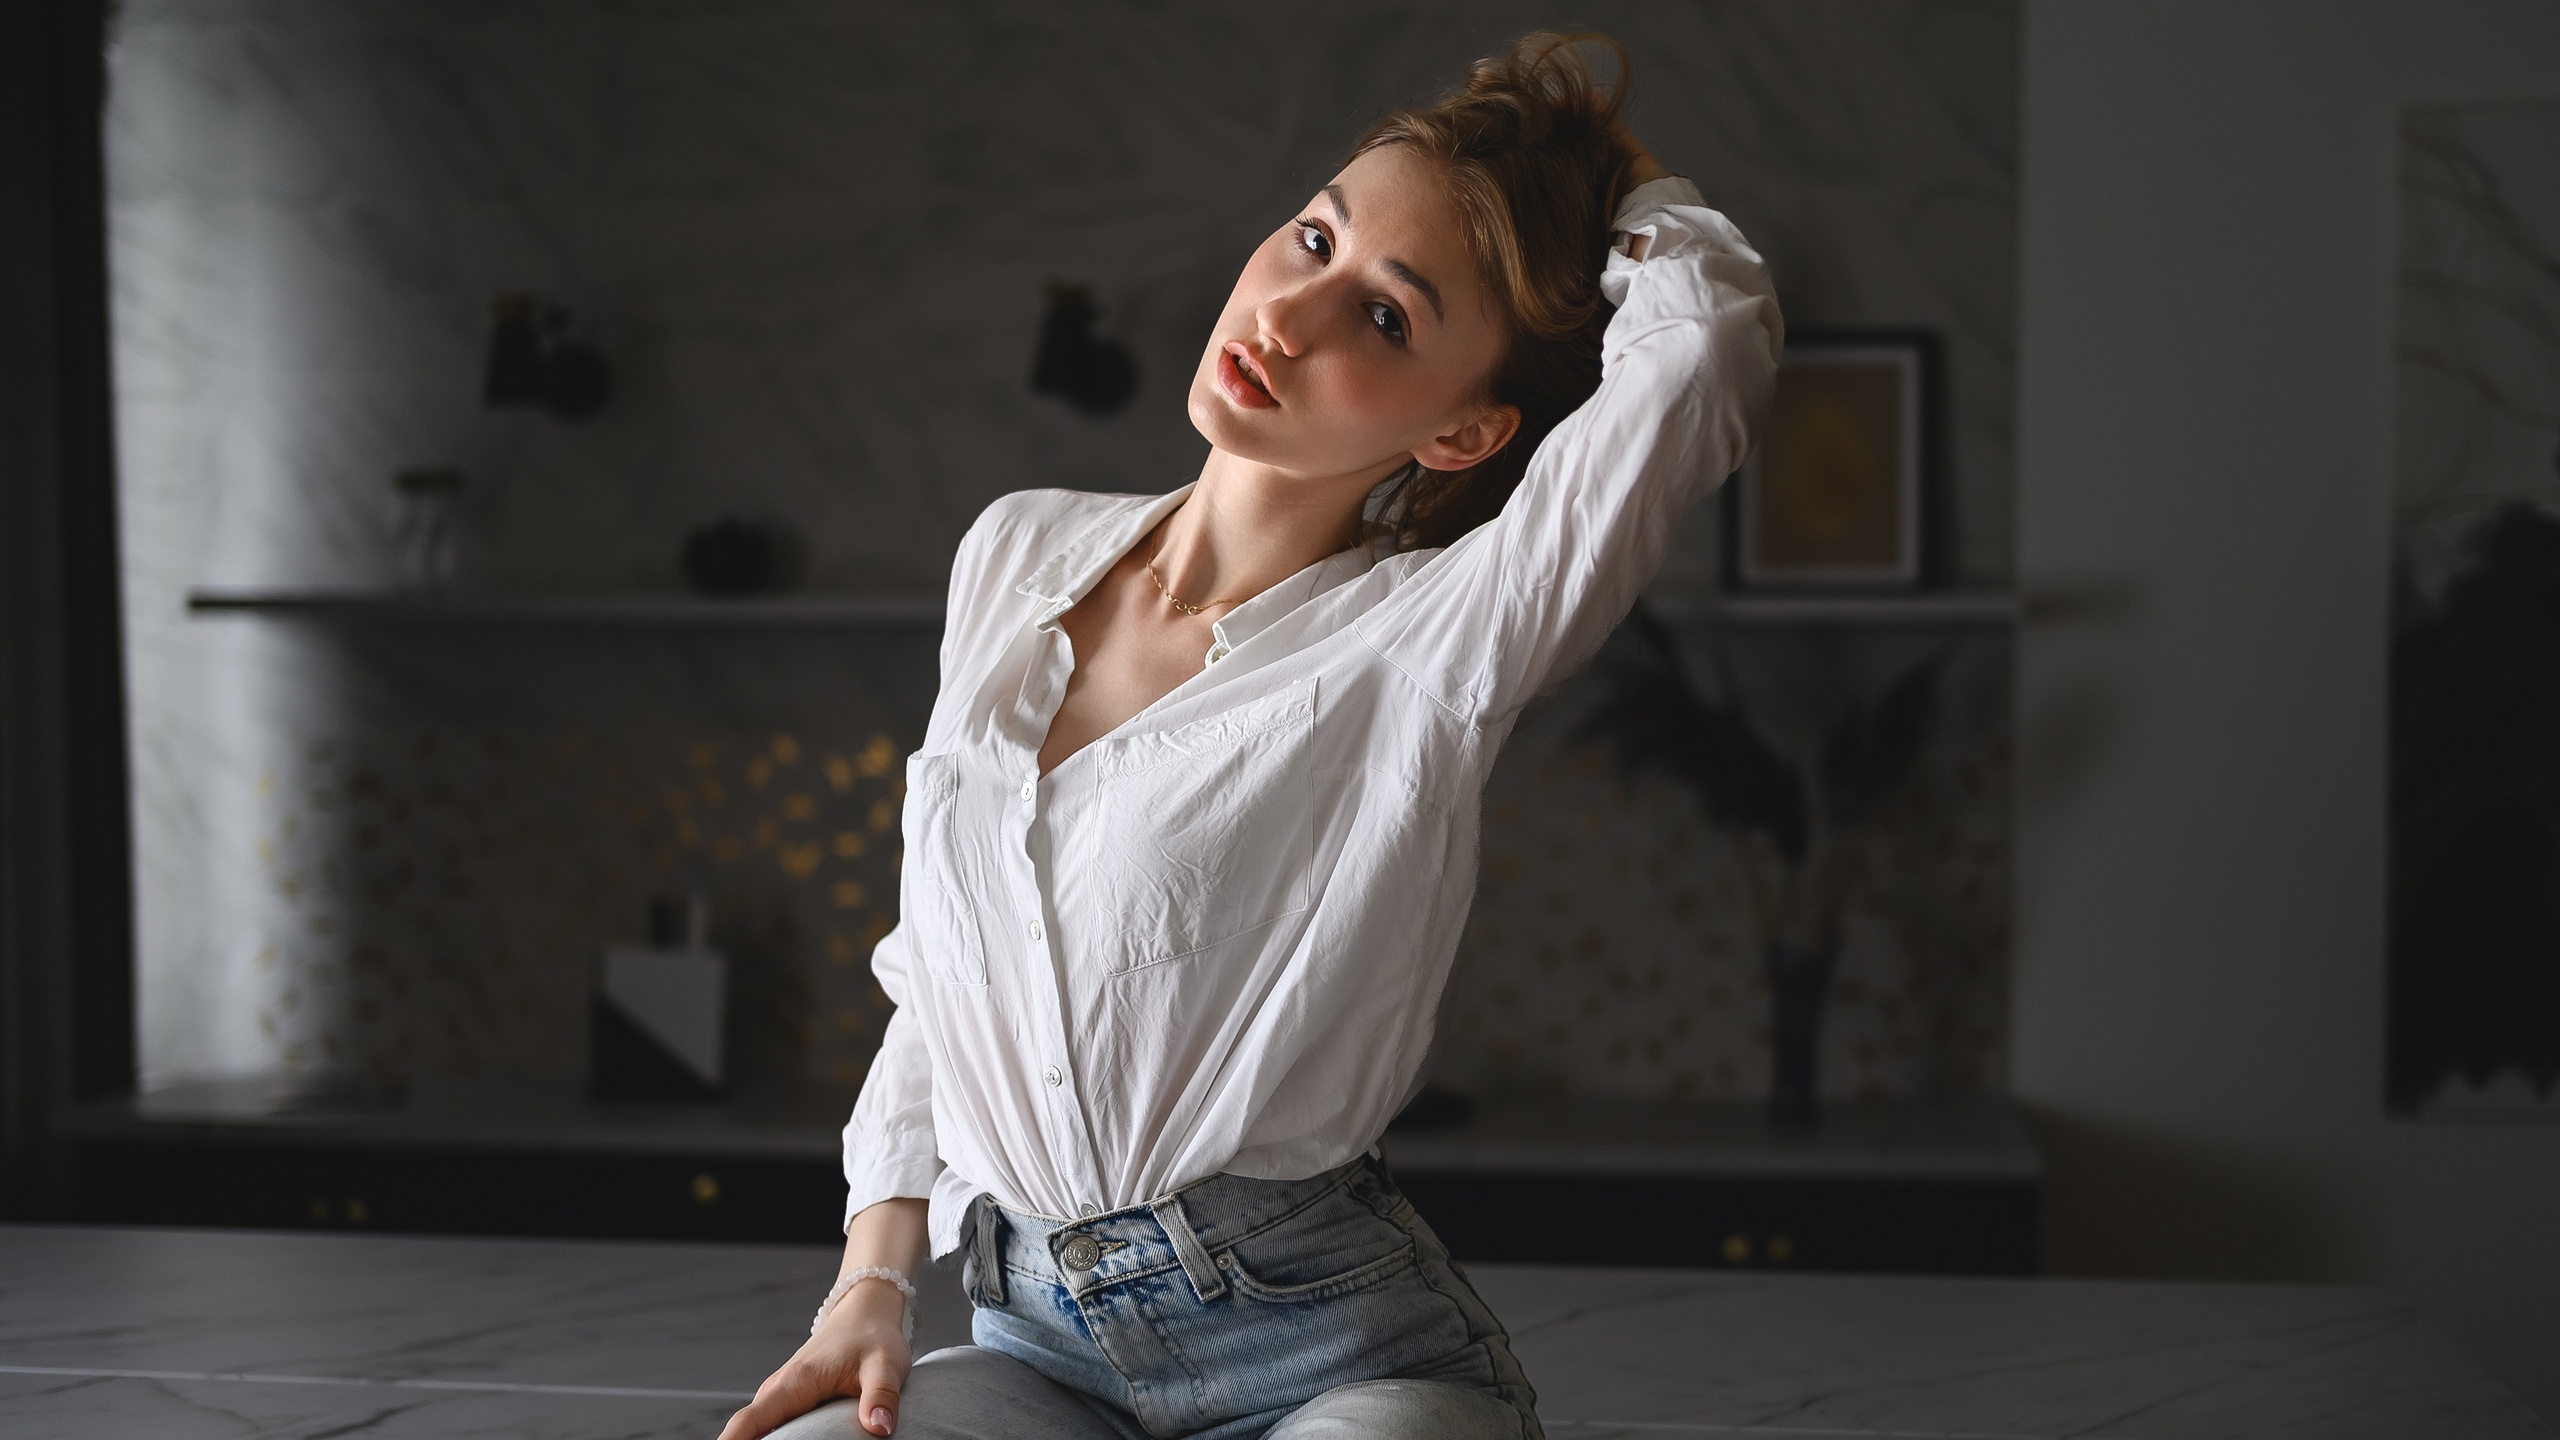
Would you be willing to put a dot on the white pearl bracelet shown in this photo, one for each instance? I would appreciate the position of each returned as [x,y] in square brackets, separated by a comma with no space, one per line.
[860,1273]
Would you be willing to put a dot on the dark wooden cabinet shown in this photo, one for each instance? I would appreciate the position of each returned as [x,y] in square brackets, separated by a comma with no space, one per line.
[483,1162]
[1952,1227]
[1886,1189]
[1949,1189]
[204,1180]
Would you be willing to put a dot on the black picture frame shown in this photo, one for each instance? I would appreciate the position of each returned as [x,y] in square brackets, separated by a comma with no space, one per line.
[1762,554]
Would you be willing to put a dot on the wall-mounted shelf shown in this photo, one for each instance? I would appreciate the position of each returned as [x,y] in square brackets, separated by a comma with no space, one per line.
[373,606]
[1949,607]
[1938,607]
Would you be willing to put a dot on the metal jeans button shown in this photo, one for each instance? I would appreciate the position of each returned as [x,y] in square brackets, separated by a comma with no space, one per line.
[1080,1253]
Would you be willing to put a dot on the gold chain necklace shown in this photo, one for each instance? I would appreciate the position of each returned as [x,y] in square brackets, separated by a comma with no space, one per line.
[1176,601]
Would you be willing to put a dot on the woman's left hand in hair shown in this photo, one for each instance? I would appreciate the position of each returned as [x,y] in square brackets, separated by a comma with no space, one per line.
[1646,167]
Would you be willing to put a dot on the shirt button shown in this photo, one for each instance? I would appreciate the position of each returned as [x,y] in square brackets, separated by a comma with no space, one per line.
[1035,929]
[1053,1077]
[1091,1210]
[1030,789]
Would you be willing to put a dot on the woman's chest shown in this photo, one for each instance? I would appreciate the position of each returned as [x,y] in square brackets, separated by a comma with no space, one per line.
[1147,845]
[1192,828]
[1121,661]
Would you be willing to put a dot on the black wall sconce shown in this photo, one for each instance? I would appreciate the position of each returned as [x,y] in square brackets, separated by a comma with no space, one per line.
[1094,375]
[532,361]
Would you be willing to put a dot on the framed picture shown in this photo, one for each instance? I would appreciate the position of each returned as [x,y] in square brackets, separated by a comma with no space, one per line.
[1840,491]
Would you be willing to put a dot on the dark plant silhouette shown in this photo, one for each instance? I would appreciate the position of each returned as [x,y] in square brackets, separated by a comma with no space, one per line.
[1807,862]
[1656,720]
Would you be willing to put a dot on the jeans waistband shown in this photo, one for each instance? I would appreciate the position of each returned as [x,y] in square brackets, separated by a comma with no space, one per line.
[1185,1229]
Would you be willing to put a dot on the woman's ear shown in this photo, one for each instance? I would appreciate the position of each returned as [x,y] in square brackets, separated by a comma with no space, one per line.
[1472,443]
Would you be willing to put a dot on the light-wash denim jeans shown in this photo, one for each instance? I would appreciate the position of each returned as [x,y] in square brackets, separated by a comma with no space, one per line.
[1317,1309]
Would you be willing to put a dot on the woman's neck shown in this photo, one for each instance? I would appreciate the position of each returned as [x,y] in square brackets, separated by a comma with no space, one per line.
[1247,527]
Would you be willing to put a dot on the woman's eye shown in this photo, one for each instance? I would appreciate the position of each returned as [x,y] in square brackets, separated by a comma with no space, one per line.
[1389,323]
[1313,241]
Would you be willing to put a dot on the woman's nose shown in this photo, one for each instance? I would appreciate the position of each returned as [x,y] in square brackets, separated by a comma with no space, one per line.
[1287,319]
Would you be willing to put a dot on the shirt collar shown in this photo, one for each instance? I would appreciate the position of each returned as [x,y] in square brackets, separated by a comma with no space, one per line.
[1259,613]
[1065,577]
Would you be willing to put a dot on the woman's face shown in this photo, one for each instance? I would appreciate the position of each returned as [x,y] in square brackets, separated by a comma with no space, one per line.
[1359,335]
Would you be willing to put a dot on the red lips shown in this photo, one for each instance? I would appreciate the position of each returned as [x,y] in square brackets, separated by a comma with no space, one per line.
[1242,380]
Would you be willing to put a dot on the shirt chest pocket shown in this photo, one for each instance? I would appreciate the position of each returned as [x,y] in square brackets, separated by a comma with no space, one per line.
[934,877]
[1202,833]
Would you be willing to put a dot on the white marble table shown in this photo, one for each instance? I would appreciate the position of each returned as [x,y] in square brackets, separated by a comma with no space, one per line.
[163,1335]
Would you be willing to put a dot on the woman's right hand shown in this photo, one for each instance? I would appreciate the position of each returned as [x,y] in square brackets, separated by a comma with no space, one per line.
[860,1350]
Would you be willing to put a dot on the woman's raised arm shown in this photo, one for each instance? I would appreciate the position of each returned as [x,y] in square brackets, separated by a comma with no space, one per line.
[1687,366]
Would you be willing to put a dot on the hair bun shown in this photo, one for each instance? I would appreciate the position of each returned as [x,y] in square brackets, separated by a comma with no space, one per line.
[1537,162]
[1550,83]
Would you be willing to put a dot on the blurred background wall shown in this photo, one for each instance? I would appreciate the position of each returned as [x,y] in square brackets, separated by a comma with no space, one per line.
[813,239]
[2206,440]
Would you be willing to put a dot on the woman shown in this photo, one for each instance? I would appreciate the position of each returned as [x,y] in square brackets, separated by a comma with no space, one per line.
[1193,830]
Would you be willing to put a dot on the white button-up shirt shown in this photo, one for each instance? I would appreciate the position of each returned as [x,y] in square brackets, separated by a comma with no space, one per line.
[1215,938]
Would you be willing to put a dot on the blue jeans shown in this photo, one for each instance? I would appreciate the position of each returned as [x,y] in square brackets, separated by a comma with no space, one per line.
[1231,1309]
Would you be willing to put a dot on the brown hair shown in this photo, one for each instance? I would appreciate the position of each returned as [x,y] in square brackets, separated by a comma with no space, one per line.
[1536,164]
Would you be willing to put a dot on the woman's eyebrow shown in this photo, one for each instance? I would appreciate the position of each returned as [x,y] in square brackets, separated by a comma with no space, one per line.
[1418,281]
[1397,268]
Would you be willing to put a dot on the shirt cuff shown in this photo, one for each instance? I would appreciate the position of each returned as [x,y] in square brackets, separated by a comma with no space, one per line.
[887,1167]
[1672,212]
[1652,196]
[951,1196]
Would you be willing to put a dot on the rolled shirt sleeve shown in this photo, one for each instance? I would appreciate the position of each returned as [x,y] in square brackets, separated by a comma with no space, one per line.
[889,1150]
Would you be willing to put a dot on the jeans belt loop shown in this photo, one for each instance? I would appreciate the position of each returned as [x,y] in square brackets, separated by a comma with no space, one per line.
[986,1253]
[1207,1281]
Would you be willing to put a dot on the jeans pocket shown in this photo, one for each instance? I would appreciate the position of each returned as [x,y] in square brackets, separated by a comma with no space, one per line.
[1349,1282]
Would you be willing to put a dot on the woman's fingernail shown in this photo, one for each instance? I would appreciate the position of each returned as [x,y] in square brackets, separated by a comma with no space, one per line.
[880,1417]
